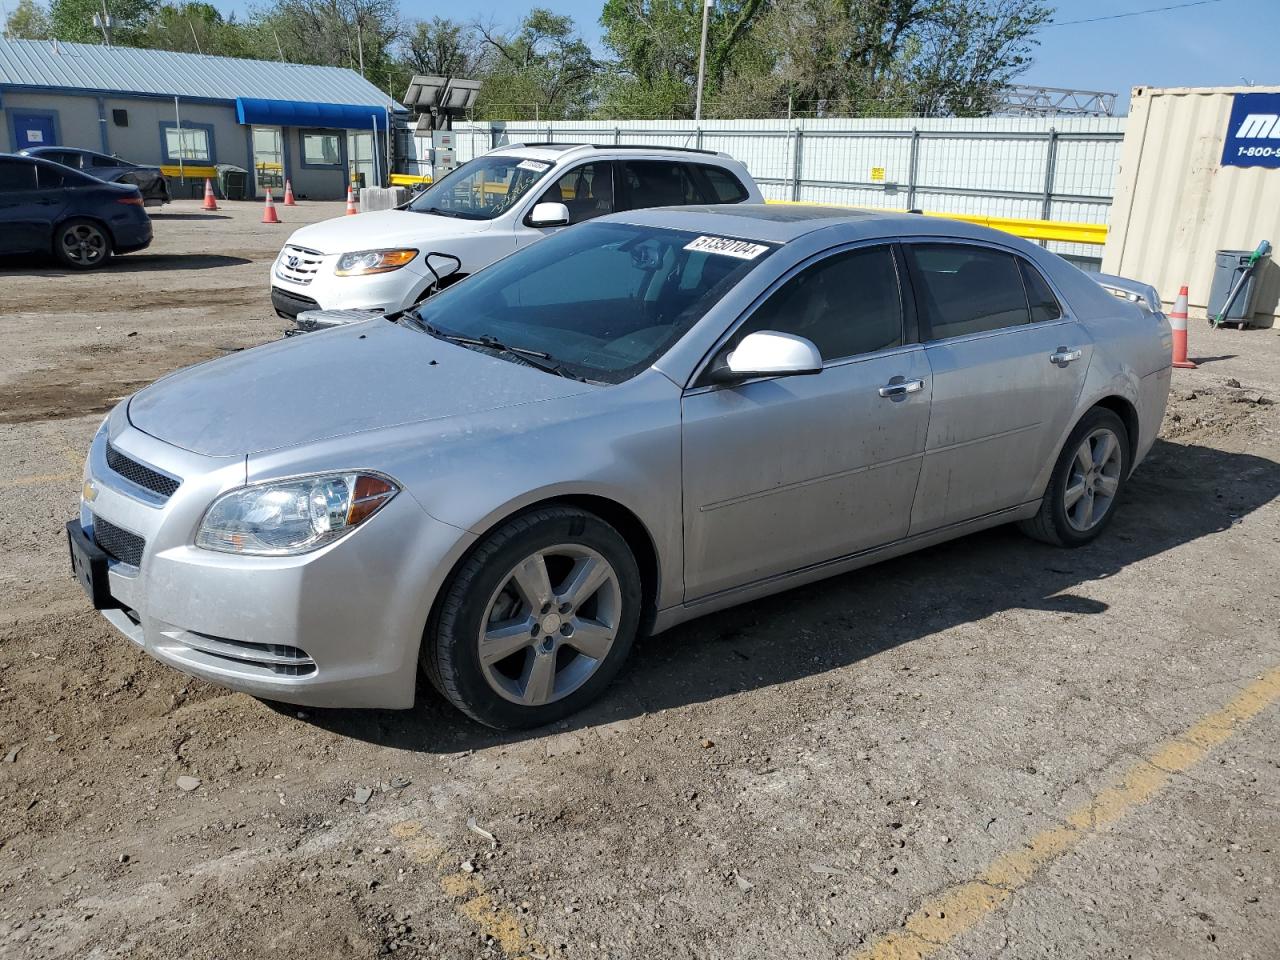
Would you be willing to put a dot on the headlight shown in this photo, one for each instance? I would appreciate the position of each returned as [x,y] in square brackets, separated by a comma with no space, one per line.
[364,262]
[293,516]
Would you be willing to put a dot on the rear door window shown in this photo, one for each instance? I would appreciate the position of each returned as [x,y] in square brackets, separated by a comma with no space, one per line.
[963,289]
[1044,305]
[720,185]
[17,175]
[657,183]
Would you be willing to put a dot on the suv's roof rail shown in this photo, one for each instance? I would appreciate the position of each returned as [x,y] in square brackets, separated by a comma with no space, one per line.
[555,145]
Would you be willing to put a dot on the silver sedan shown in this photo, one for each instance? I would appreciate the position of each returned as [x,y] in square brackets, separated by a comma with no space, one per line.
[638,421]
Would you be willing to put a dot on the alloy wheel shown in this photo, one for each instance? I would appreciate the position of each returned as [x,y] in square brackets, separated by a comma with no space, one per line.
[550,624]
[84,244]
[1093,479]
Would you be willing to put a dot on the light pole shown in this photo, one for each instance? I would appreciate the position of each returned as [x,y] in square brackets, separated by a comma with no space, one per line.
[702,59]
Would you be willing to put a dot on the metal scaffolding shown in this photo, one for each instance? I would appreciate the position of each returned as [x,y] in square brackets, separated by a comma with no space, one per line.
[1024,100]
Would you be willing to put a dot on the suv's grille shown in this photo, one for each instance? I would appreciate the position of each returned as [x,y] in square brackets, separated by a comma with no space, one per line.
[298,265]
[140,474]
[124,546]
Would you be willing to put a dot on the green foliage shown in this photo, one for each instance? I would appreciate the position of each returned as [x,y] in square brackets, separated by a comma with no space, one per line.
[28,21]
[541,70]
[73,20]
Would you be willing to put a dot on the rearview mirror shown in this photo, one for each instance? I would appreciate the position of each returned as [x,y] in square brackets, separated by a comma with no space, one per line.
[549,215]
[767,353]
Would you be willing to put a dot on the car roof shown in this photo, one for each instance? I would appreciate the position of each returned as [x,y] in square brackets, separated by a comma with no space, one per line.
[554,152]
[785,222]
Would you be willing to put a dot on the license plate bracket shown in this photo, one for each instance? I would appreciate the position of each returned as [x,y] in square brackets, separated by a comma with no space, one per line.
[89,565]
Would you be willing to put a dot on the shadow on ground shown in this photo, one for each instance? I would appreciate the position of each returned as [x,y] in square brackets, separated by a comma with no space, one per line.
[37,266]
[1179,494]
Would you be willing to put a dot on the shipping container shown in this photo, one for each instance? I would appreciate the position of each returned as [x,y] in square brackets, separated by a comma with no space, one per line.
[1199,172]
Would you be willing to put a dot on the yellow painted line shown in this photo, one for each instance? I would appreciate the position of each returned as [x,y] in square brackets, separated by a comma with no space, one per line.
[491,919]
[959,909]
[1066,231]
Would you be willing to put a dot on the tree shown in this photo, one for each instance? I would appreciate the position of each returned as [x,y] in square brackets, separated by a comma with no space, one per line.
[340,33]
[28,21]
[542,69]
[196,27]
[72,20]
[440,47]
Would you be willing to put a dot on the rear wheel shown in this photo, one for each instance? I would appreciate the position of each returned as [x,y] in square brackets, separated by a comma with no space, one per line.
[82,244]
[537,621]
[1086,482]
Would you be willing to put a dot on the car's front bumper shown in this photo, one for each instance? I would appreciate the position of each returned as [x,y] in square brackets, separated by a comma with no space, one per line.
[383,292]
[339,627]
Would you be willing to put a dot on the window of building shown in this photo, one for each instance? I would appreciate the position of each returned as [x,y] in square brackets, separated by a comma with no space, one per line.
[964,289]
[191,142]
[321,149]
[847,304]
[120,117]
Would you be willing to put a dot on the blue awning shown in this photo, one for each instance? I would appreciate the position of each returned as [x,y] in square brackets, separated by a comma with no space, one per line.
[294,113]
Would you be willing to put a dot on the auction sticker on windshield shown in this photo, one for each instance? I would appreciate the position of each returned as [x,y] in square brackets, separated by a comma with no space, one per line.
[537,166]
[727,247]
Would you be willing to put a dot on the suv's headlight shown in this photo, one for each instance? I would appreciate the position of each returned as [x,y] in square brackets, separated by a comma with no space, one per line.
[293,516]
[364,262]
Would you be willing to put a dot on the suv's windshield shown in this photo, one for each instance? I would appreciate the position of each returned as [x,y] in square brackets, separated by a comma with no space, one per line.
[602,301]
[481,189]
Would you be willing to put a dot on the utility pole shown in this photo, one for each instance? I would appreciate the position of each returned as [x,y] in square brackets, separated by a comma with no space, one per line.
[702,58]
[194,37]
[360,44]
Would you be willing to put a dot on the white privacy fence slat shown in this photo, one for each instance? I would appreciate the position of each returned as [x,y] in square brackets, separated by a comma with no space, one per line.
[1052,168]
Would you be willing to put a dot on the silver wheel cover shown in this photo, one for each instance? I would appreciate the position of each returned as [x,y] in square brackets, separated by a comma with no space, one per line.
[550,625]
[1093,478]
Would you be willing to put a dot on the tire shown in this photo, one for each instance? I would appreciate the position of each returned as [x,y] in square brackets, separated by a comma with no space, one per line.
[1068,514]
[492,591]
[82,244]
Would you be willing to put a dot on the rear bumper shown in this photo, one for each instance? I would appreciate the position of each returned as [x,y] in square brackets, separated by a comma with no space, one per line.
[132,235]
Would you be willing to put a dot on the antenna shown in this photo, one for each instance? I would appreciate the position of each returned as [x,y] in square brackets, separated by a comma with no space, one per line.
[194,37]
[104,22]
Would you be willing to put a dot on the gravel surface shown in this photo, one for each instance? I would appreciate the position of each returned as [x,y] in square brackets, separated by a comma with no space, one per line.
[795,778]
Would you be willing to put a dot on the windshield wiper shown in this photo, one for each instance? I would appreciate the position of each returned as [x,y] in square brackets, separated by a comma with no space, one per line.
[439,211]
[538,359]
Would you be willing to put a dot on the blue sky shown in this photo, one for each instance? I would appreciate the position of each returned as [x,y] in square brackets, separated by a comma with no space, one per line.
[1213,44]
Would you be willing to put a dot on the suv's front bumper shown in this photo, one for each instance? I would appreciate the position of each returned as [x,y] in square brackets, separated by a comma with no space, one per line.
[339,627]
[383,292]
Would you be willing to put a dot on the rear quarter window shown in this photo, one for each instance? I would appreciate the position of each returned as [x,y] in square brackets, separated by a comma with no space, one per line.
[723,186]
[17,175]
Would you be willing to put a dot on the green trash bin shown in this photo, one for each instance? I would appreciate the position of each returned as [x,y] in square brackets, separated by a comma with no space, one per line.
[1228,267]
[233,182]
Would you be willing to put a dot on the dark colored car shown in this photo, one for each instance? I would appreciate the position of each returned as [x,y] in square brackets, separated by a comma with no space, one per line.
[149,180]
[47,208]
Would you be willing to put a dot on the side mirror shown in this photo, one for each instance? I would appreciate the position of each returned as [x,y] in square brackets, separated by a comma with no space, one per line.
[767,353]
[549,215]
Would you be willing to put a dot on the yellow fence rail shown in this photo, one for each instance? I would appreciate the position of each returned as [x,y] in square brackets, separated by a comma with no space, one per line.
[189,170]
[1061,230]
[409,179]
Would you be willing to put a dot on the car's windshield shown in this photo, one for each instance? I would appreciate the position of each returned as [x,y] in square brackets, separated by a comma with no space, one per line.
[483,188]
[601,300]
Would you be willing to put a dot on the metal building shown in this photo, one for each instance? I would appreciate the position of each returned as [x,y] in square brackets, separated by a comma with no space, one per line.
[189,113]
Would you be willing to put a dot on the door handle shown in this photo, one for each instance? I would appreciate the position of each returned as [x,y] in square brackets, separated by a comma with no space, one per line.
[900,388]
[1063,356]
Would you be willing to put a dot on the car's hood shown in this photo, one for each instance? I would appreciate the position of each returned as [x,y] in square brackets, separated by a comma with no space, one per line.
[384,228]
[359,377]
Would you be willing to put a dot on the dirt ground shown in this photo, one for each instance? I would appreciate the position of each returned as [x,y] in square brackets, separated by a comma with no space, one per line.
[991,749]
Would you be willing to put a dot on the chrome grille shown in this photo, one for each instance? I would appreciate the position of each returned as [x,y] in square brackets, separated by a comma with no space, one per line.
[298,265]
[121,544]
[140,474]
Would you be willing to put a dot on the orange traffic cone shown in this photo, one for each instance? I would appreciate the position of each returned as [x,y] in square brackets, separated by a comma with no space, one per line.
[288,194]
[209,202]
[269,211]
[351,201]
[1178,320]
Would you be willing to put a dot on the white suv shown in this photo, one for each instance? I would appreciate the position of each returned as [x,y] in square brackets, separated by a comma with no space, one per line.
[484,210]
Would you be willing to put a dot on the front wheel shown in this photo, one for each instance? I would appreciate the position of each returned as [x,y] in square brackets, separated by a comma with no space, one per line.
[82,244]
[1086,482]
[537,621]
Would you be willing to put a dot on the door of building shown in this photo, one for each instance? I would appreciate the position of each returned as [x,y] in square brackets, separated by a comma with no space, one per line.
[360,156]
[35,130]
[268,161]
